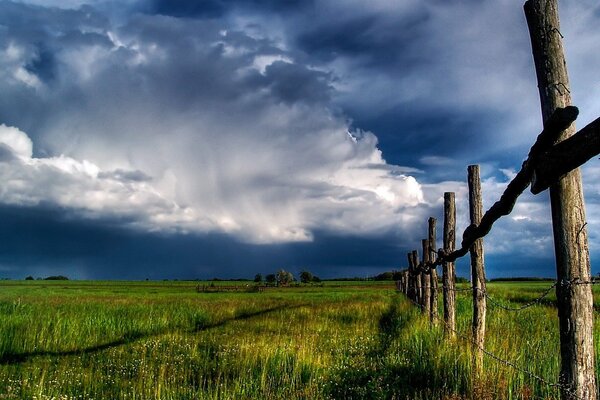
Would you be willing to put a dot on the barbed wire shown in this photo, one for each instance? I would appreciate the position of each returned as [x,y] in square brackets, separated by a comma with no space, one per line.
[499,359]
[524,306]
[497,303]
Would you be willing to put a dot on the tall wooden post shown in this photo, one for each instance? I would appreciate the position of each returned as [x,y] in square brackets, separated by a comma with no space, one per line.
[433,278]
[449,274]
[411,292]
[426,286]
[400,283]
[419,289]
[575,302]
[477,268]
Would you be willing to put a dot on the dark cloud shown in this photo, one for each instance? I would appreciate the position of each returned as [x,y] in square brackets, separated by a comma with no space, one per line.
[231,119]
[45,240]
[185,8]
[373,40]
[293,83]
[43,65]
[36,22]
[407,134]
[219,8]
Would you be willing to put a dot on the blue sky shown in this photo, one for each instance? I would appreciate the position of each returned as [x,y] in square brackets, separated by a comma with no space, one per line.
[193,139]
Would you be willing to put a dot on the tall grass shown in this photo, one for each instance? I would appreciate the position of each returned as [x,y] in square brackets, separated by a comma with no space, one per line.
[165,341]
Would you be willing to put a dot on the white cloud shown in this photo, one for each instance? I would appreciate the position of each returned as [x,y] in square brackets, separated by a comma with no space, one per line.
[80,187]
[250,200]
[239,135]
[17,141]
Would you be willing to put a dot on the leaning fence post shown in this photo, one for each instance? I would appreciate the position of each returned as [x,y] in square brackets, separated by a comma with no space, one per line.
[426,286]
[477,268]
[575,302]
[433,278]
[449,275]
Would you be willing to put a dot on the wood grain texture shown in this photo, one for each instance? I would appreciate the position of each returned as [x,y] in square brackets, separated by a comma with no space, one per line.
[575,302]
[448,268]
[433,277]
[477,268]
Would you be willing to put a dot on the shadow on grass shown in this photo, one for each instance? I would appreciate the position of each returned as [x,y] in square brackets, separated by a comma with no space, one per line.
[384,375]
[133,336]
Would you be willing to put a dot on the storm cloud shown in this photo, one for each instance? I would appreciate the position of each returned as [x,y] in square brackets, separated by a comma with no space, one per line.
[260,126]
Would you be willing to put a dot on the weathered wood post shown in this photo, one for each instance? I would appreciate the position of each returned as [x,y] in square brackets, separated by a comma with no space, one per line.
[425,285]
[449,274]
[433,277]
[477,268]
[575,302]
[399,283]
[419,289]
[411,292]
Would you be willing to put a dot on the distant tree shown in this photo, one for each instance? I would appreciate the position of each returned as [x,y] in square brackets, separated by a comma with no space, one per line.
[385,276]
[271,278]
[306,276]
[29,278]
[316,279]
[56,278]
[284,277]
[258,278]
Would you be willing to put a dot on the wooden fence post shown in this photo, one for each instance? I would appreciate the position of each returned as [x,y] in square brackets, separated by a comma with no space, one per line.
[433,277]
[411,292]
[575,302]
[419,289]
[400,282]
[477,268]
[449,275]
[426,286]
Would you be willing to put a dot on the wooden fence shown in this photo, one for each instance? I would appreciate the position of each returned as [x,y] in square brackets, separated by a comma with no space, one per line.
[552,163]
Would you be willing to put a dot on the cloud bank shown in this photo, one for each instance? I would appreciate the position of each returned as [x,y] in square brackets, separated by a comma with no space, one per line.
[232,135]
[275,122]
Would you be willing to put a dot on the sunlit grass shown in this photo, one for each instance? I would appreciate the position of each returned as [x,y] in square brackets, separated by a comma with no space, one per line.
[78,340]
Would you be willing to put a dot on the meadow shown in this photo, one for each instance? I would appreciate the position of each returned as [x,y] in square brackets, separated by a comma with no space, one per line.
[360,340]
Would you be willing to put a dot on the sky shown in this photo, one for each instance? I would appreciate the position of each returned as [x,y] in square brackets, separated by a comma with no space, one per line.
[223,138]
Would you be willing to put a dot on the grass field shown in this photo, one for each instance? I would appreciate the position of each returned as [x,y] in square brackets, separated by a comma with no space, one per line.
[162,340]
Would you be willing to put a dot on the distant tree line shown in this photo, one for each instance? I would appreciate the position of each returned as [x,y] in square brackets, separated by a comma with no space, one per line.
[49,278]
[285,278]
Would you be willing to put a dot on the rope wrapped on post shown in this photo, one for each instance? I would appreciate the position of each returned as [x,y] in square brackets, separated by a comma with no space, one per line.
[560,120]
[566,156]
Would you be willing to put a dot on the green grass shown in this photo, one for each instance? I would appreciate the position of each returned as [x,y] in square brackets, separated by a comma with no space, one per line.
[162,340]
